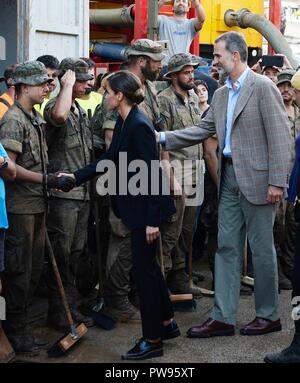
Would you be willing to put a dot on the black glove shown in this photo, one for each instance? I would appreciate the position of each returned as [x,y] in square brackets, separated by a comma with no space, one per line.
[63,183]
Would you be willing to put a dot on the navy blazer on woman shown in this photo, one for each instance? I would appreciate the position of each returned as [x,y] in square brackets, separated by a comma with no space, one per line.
[136,138]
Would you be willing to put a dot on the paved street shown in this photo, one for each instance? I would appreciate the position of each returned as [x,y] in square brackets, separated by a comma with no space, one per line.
[101,346]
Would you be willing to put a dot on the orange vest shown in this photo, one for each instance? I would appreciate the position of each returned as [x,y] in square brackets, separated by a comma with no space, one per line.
[3,107]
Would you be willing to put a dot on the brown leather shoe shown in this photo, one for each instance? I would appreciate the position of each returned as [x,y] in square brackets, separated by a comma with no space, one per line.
[260,326]
[211,328]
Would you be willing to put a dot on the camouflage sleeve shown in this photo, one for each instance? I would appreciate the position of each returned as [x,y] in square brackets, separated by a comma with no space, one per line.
[11,136]
[165,112]
[47,115]
[110,119]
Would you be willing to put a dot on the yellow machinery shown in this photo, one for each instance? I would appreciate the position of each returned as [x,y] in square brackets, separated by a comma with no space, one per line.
[215,24]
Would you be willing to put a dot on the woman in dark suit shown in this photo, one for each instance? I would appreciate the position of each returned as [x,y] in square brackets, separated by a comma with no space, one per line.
[142,213]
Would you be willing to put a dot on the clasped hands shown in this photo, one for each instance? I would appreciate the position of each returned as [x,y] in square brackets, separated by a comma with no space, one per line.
[60,181]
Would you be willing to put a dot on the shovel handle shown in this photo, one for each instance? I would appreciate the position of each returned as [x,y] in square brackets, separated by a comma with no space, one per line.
[59,282]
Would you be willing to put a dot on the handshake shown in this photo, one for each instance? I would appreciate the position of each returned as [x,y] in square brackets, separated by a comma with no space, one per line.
[60,181]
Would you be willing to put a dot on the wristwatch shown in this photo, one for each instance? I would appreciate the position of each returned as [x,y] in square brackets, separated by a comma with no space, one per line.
[4,164]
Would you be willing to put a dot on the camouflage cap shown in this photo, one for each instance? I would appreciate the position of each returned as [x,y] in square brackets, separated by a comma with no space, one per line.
[79,66]
[146,47]
[296,80]
[285,75]
[30,73]
[178,62]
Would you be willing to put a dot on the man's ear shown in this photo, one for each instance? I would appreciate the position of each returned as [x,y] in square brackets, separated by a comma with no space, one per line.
[142,61]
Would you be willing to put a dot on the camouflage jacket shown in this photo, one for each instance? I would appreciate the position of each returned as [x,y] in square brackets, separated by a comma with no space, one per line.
[106,119]
[179,113]
[23,134]
[69,146]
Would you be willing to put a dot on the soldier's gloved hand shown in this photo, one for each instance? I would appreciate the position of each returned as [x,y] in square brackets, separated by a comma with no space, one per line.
[60,181]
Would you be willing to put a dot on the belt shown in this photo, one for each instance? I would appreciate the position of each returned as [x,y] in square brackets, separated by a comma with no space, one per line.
[227,160]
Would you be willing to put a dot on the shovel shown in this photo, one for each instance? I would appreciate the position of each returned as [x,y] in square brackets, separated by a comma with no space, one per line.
[65,343]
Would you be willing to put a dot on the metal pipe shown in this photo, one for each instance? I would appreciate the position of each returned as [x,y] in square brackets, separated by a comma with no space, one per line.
[119,17]
[275,18]
[243,18]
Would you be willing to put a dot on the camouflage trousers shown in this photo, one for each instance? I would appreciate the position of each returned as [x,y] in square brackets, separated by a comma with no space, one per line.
[284,237]
[119,261]
[24,249]
[67,223]
[177,236]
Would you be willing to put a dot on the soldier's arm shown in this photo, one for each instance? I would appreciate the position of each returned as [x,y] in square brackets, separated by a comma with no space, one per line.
[199,20]
[9,174]
[22,174]
[61,109]
[166,115]
[210,155]
[11,137]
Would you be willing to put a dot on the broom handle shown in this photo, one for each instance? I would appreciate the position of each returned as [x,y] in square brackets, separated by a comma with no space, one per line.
[95,206]
[59,282]
[190,264]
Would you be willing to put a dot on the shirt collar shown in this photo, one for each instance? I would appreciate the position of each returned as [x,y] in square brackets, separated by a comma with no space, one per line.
[239,82]
[35,117]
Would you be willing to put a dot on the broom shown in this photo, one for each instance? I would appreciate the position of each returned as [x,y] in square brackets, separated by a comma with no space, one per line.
[102,320]
[65,343]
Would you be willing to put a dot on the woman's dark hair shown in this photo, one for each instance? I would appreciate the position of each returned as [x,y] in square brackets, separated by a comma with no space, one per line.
[127,83]
[200,82]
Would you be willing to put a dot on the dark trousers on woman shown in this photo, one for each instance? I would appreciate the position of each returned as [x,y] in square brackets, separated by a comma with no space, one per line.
[296,273]
[155,304]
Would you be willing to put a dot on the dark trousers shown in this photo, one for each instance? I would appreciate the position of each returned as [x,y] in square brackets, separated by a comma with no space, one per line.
[296,273]
[24,257]
[155,304]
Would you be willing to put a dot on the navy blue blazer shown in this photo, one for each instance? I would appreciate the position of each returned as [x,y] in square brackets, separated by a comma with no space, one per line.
[136,138]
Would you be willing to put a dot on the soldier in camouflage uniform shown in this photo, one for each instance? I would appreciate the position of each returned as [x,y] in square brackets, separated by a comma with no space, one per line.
[22,135]
[144,60]
[285,225]
[69,148]
[179,106]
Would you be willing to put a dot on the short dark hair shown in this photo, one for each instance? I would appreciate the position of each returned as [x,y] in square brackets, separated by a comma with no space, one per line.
[200,82]
[235,42]
[18,89]
[49,61]
[127,83]
[88,61]
[8,74]
[133,59]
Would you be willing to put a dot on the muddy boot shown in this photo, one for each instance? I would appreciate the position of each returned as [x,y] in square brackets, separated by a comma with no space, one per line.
[290,354]
[178,283]
[121,310]
[23,343]
[80,318]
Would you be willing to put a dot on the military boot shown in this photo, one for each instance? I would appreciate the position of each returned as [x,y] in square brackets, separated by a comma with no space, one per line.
[80,318]
[178,283]
[290,354]
[121,310]
[24,343]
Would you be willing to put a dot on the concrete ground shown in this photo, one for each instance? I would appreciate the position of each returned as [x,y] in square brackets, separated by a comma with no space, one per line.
[101,346]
